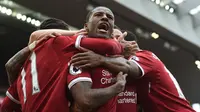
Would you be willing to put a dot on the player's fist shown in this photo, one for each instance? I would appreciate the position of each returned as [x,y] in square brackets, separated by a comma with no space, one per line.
[121,81]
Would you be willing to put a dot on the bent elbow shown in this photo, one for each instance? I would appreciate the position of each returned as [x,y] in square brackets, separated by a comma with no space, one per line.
[34,33]
[8,66]
[33,37]
[87,105]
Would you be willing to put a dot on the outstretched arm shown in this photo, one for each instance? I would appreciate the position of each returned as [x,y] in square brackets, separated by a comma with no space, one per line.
[90,59]
[36,35]
[88,100]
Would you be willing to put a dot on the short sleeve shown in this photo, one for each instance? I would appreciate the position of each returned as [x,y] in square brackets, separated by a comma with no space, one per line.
[12,93]
[9,106]
[76,75]
[145,61]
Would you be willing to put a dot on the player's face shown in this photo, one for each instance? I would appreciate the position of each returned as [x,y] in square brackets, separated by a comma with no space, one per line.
[101,23]
[116,34]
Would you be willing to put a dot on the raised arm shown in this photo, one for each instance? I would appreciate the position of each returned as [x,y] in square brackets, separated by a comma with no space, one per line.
[88,100]
[41,33]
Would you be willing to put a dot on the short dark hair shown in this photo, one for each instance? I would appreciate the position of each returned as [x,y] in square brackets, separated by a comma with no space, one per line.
[90,13]
[88,16]
[54,23]
[130,36]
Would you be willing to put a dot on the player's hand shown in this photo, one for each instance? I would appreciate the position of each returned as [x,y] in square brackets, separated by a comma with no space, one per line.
[87,59]
[121,38]
[130,48]
[34,43]
[121,81]
[81,32]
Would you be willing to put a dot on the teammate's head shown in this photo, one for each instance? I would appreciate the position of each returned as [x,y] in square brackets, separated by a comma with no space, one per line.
[130,36]
[100,22]
[117,32]
[54,23]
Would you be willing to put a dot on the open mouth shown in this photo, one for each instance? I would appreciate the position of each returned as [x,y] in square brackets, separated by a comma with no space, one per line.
[103,27]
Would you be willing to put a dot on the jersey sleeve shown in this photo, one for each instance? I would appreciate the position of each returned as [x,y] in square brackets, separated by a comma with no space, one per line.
[12,93]
[100,45]
[145,61]
[9,106]
[76,75]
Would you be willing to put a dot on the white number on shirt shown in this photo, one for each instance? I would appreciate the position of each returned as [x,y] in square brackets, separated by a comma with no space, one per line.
[34,74]
[176,84]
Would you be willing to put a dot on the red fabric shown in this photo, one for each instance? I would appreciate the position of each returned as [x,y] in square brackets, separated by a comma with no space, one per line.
[127,100]
[9,106]
[101,77]
[158,90]
[52,68]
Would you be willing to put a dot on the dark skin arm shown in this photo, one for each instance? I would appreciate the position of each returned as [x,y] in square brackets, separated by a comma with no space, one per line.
[90,59]
[15,63]
[90,99]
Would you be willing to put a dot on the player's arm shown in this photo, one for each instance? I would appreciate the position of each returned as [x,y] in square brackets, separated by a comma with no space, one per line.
[9,106]
[15,63]
[87,99]
[90,59]
[53,33]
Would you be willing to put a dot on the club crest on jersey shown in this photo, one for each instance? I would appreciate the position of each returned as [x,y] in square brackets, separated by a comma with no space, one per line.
[74,70]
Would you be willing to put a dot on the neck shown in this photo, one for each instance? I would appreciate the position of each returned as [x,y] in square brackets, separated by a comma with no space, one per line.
[91,35]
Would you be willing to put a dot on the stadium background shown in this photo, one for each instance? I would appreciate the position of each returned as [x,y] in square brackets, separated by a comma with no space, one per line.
[169,28]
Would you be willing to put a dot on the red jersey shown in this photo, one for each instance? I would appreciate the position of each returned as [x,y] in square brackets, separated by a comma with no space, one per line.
[127,100]
[42,81]
[158,90]
[43,78]
[11,102]
[101,77]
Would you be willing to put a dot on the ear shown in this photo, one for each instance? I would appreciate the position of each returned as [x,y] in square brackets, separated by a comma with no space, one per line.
[86,26]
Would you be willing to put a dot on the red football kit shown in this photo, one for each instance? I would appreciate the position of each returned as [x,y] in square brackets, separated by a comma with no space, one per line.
[100,77]
[157,89]
[47,92]
[127,100]
[11,101]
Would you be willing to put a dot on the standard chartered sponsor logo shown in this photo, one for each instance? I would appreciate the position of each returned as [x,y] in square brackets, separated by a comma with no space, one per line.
[127,97]
[107,77]
[106,73]
[127,93]
[127,100]
[106,80]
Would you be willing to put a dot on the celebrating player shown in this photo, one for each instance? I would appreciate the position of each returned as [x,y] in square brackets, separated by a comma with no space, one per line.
[61,49]
[157,89]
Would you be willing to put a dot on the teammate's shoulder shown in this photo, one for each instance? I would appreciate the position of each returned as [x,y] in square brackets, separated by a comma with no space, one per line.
[144,52]
[147,54]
